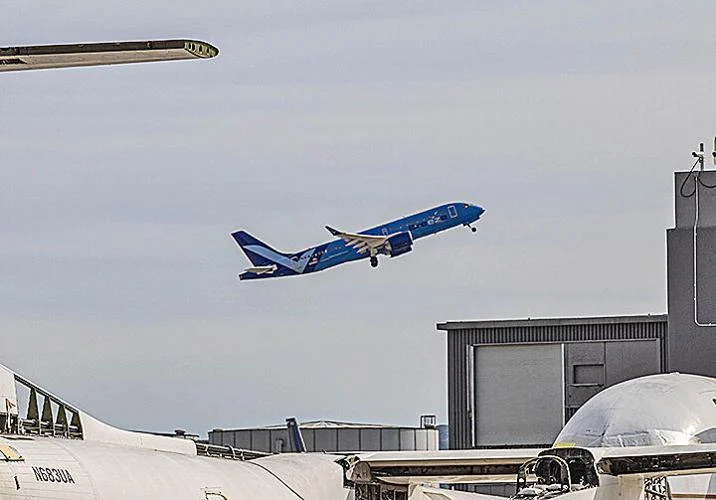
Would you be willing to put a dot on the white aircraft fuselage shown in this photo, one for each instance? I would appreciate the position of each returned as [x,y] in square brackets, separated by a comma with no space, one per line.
[77,469]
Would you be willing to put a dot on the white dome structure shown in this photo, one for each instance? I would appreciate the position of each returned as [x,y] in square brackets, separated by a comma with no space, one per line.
[658,410]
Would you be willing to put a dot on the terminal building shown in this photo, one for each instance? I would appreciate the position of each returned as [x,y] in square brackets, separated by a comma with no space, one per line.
[505,373]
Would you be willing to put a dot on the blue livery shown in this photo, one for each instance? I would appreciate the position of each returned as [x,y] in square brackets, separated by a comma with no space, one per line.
[392,239]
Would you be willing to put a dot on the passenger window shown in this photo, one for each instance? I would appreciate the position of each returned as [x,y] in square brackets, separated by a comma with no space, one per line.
[452,211]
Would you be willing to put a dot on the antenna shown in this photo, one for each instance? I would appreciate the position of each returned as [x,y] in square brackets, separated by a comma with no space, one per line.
[699,155]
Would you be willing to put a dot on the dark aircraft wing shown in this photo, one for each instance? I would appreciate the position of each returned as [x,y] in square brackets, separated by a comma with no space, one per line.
[100,54]
[443,466]
[656,461]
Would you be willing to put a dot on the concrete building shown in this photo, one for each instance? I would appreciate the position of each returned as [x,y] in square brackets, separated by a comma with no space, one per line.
[330,436]
[504,374]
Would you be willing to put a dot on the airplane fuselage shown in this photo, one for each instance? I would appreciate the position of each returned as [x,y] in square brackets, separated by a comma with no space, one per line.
[76,470]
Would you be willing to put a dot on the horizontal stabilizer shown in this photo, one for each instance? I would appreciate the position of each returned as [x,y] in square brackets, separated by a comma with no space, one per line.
[262,269]
[100,54]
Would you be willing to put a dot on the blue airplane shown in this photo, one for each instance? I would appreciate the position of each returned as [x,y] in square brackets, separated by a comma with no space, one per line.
[393,239]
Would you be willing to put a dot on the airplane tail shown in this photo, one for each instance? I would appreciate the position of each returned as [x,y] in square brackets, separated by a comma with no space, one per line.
[295,437]
[256,250]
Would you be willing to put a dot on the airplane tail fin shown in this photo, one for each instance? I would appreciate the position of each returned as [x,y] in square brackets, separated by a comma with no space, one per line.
[294,436]
[258,252]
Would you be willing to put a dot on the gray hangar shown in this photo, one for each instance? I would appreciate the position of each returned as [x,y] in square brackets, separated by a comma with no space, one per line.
[516,382]
[331,436]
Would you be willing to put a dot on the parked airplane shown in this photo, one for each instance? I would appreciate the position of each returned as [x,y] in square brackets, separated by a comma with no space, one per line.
[51,449]
[392,238]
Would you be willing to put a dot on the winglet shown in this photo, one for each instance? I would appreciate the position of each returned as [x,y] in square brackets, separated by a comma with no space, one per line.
[334,232]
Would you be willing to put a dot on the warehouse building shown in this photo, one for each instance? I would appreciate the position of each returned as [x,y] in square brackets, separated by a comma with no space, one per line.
[516,382]
[331,436]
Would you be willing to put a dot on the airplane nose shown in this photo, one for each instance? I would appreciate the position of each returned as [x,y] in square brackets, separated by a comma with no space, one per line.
[478,211]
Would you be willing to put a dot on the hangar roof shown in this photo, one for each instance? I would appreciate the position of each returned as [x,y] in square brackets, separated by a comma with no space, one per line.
[539,322]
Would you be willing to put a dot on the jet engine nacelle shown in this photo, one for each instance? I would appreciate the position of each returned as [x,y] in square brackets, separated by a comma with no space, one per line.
[399,244]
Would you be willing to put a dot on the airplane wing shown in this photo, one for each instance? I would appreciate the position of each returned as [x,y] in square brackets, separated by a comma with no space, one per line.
[96,54]
[361,242]
[631,469]
[656,461]
[445,466]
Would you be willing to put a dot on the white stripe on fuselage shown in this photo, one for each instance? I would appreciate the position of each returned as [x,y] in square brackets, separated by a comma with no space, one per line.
[294,265]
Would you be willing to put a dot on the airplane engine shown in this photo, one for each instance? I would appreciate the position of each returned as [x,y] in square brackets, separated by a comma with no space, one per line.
[399,244]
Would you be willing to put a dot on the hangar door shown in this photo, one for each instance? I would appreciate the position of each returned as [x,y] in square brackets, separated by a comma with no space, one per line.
[518,394]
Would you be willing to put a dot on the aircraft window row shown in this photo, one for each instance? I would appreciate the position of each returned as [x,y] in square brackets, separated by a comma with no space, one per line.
[426,223]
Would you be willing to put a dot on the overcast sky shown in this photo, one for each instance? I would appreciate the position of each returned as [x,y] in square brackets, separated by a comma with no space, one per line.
[121,186]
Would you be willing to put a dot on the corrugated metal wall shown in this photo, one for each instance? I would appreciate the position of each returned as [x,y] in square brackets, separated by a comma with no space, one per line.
[462,336]
[331,439]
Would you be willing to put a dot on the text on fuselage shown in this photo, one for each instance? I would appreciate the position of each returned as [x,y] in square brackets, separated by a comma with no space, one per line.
[49,475]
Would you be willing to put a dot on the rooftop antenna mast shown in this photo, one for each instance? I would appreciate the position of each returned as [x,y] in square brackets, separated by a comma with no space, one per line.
[699,155]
